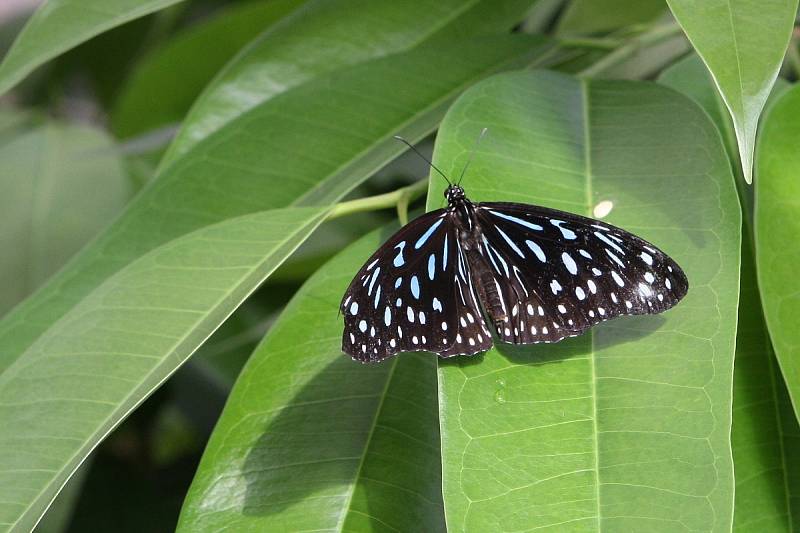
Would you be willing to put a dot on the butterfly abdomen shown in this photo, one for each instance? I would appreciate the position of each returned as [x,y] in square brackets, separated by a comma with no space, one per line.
[488,293]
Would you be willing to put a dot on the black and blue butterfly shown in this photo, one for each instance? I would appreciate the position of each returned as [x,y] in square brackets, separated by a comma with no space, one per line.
[451,279]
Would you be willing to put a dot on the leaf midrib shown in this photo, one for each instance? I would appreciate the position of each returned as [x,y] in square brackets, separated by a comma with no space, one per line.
[145,379]
[587,157]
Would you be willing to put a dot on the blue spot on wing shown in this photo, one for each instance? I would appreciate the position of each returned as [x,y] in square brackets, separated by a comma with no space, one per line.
[425,236]
[521,222]
[398,260]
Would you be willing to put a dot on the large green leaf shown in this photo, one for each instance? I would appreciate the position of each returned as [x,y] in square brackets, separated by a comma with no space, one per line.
[777,229]
[59,25]
[309,146]
[764,431]
[310,440]
[627,426]
[166,82]
[326,35]
[59,186]
[742,42]
[71,387]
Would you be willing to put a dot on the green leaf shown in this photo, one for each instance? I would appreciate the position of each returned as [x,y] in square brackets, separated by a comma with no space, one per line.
[691,77]
[765,433]
[317,39]
[166,82]
[583,17]
[102,358]
[777,231]
[59,25]
[742,42]
[310,440]
[627,426]
[60,185]
[263,160]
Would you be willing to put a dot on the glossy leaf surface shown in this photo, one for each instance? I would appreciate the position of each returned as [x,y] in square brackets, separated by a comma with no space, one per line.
[597,428]
[742,42]
[326,35]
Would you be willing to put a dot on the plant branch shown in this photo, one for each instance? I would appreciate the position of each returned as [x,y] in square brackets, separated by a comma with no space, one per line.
[399,199]
[593,43]
[654,36]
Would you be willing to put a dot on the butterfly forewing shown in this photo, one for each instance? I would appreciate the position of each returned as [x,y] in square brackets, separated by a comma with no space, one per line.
[561,273]
[414,294]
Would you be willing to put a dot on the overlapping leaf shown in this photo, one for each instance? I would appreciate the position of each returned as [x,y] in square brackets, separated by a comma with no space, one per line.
[59,25]
[329,34]
[626,427]
[59,186]
[95,364]
[311,440]
[764,432]
[309,146]
[742,42]
[166,82]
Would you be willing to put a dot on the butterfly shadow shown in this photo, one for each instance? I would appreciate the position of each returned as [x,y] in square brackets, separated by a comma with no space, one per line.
[606,335]
[309,454]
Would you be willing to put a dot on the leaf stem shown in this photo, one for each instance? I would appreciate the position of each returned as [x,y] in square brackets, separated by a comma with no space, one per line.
[653,36]
[399,199]
[588,42]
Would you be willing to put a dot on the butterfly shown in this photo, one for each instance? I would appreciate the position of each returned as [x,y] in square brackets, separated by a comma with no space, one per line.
[452,278]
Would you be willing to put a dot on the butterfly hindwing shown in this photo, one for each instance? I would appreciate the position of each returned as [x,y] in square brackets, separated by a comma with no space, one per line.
[562,273]
[414,294]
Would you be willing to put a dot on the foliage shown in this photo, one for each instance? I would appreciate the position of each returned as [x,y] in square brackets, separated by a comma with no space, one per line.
[186,188]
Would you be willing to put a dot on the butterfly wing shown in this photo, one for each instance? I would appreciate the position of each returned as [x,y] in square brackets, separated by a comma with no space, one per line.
[414,294]
[562,273]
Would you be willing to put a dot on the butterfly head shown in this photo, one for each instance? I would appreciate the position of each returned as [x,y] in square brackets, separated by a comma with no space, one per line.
[454,194]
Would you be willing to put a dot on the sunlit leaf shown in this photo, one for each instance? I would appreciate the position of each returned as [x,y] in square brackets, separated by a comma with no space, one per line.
[742,42]
[626,427]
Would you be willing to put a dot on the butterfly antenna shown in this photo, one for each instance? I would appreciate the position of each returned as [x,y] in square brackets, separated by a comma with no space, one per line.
[472,154]
[423,158]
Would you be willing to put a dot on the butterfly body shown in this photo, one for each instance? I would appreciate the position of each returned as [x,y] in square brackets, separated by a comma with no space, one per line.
[527,273]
